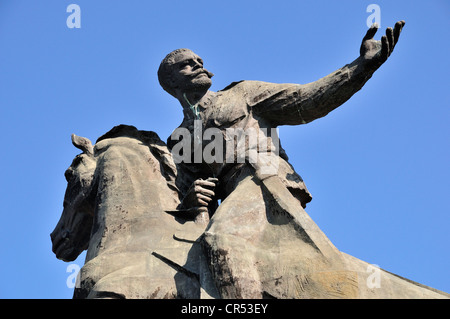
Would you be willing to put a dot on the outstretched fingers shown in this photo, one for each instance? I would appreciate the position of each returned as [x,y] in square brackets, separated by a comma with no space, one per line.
[397,29]
[370,48]
[393,35]
[371,32]
[390,38]
[384,54]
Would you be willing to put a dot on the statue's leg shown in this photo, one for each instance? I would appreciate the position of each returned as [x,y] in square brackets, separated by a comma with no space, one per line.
[261,244]
[229,242]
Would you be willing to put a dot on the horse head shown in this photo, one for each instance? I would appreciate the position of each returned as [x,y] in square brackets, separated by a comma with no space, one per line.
[71,235]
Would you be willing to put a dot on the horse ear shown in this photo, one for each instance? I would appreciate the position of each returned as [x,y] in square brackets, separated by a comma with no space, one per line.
[83,144]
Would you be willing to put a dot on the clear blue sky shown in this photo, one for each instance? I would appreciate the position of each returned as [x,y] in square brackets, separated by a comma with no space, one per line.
[377,167]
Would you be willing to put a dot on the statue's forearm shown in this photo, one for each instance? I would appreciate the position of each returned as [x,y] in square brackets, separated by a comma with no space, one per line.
[324,95]
[294,104]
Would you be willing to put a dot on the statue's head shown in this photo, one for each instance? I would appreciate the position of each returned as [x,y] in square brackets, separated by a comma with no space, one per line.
[182,71]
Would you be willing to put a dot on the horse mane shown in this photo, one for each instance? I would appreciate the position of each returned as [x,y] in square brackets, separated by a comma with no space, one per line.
[123,130]
[157,147]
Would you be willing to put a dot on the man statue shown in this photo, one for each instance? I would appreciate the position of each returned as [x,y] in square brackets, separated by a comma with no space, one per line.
[259,241]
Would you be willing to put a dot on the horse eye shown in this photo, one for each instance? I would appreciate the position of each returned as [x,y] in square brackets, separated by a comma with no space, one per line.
[77,160]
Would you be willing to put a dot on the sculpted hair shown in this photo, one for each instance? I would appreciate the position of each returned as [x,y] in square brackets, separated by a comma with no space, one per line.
[164,71]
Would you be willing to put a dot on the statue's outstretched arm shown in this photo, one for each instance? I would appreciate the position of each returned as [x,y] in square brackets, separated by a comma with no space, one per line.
[324,95]
[293,104]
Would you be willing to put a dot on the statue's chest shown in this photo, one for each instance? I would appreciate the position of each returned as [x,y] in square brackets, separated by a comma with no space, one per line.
[225,111]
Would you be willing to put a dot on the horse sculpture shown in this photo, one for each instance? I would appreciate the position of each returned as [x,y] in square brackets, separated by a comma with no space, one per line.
[121,205]
[115,206]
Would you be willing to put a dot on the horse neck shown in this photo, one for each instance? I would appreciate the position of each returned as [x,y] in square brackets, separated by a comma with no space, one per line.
[130,172]
[131,190]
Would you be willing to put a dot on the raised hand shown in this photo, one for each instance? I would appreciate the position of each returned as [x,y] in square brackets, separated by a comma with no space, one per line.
[376,52]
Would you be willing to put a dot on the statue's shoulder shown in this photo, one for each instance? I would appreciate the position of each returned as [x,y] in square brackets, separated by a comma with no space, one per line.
[244,85]
[230,86]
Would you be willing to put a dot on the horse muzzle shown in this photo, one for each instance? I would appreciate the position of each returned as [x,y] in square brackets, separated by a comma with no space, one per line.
[61,246]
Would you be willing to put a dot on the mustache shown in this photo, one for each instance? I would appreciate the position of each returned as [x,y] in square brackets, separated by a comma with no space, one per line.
[202,71]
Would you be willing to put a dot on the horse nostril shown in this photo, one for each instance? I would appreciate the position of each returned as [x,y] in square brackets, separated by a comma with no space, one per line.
[65,235]
[60,240]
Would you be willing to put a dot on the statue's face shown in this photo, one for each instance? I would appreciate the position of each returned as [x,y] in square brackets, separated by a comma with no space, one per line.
[188,73]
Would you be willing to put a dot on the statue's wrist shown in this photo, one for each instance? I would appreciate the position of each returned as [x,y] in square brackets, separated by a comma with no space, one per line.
[369,65]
